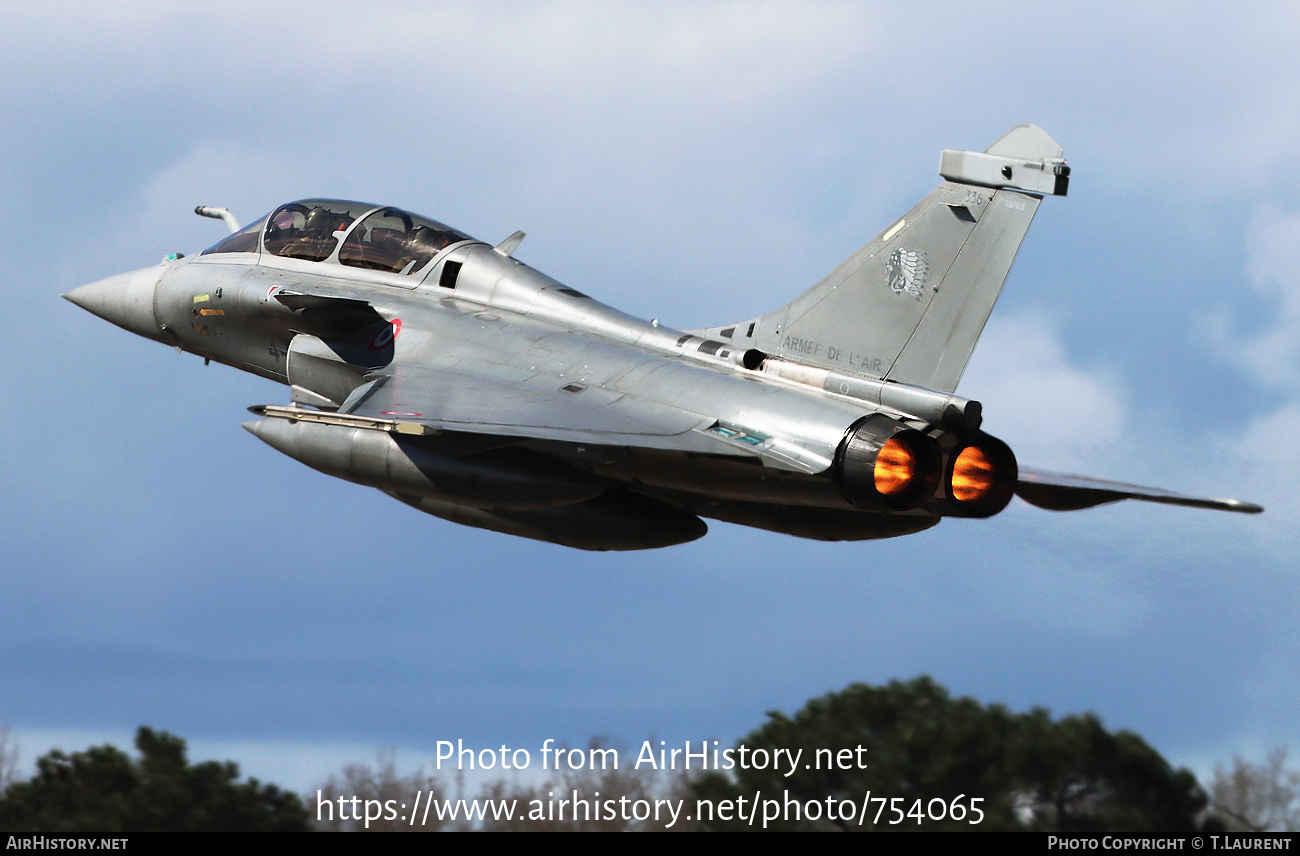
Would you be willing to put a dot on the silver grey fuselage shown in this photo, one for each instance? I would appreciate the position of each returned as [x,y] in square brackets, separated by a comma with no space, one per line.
[461,381]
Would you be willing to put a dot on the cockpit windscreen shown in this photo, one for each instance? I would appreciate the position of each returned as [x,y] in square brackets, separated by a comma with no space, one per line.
[392,240]
[385,239]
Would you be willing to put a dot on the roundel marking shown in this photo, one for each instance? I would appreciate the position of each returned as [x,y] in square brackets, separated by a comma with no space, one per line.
[385,337]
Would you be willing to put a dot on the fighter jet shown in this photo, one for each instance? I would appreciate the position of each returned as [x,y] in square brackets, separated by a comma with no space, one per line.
[459,380]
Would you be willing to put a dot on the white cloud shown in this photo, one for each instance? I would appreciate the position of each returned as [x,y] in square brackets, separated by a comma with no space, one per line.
[1268,460]
[1048,409]
[1266,455]
[1273,252]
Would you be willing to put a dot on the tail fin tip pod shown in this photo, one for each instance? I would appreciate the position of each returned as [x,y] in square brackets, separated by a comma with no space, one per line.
[910,305]
[1024,158]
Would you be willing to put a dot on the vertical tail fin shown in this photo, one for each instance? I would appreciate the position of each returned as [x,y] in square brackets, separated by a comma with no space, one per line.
[911,304]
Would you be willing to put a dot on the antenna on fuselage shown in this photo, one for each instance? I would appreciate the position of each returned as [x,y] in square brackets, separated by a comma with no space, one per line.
[509,245]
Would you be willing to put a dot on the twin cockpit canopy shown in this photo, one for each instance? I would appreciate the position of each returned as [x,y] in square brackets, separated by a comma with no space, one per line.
[355,234]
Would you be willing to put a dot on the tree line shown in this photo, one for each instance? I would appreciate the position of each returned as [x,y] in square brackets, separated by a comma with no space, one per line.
[912,745]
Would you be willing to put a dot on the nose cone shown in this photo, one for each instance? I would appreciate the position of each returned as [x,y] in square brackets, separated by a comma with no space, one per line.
[125,299]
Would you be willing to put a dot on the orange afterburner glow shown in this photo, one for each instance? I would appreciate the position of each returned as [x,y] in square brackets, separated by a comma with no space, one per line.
[972,475]
[895,467]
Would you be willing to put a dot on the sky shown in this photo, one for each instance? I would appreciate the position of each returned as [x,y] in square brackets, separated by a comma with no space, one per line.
[700,164]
